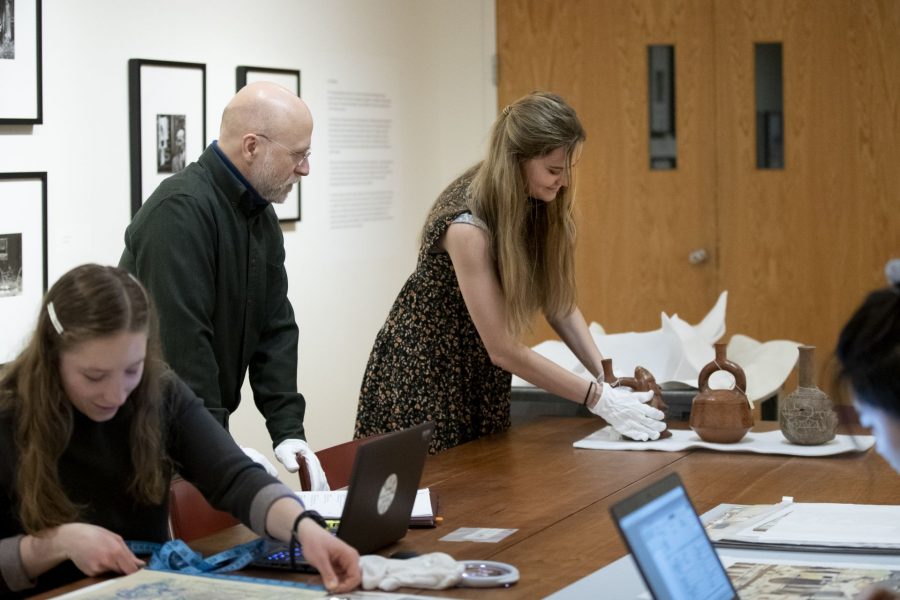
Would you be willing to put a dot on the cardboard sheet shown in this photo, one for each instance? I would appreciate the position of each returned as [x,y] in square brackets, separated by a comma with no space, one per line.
[677,351]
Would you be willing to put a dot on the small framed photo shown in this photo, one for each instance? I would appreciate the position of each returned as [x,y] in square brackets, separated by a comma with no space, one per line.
[289,210]
[21,102]
[167,121]
[23,257]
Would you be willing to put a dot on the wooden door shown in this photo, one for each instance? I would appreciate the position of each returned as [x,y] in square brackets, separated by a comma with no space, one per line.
[636,226]
[799,247]
[796,248]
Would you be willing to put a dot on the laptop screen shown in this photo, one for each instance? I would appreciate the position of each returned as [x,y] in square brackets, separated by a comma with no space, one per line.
[670,546]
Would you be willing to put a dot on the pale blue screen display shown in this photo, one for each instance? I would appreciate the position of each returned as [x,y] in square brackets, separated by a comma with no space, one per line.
[675,555]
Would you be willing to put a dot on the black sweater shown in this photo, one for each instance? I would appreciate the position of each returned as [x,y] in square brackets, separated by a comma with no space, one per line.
[96,471]
[212,257]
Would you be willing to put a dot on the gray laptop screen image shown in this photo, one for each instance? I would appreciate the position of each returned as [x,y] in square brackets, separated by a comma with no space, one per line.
[383,486]
[669,544]
[380,497]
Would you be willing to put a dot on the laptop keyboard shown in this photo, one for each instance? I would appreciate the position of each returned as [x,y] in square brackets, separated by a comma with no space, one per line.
[279,557]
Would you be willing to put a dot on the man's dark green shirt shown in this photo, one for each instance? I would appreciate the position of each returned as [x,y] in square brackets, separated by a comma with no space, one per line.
[213,260]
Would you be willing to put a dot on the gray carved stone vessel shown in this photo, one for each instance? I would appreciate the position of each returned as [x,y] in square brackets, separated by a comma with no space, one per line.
[807,415]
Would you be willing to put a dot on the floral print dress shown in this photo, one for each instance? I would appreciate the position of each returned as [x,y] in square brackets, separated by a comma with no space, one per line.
[428,362]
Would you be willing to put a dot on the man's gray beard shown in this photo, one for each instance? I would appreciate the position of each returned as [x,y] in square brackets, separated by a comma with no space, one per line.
[273,193]
[279,199]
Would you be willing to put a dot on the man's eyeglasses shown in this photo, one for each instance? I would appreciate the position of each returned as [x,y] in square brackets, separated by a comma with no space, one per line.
[299,157]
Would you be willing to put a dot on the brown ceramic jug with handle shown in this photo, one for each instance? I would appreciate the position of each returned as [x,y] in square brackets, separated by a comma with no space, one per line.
[721,416]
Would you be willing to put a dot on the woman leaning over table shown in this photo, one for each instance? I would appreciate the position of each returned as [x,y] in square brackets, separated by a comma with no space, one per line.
[498,246]
[868,350]
[92,426]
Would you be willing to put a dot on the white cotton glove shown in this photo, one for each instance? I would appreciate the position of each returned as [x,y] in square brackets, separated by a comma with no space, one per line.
[286,452]
[433,571]
[626,412]
[259,459]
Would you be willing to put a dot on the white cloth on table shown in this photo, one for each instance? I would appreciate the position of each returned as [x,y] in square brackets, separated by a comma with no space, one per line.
[769,442]
[433,571]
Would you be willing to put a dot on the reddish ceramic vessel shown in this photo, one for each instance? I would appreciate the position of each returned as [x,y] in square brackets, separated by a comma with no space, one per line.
[721,416]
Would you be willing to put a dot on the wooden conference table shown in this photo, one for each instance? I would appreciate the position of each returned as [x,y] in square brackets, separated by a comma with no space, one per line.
[530,478]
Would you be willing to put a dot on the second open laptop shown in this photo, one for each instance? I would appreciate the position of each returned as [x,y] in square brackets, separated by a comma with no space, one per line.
[380,496]
[669,544]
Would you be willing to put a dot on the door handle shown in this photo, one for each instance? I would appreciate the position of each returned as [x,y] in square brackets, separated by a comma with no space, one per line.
[698,256]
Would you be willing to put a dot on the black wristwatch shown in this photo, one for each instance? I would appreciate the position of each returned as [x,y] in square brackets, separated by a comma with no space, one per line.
[294,547]
[310,514]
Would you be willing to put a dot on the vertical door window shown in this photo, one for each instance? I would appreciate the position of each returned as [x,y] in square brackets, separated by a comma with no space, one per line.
[661,87]
[769,107]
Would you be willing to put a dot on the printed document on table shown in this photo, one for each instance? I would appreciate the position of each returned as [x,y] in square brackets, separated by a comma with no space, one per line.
[841,525]
[330,504]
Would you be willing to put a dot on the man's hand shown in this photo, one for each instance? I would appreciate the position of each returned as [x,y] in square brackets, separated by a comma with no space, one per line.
[259,459]
[286,452]
[627,412]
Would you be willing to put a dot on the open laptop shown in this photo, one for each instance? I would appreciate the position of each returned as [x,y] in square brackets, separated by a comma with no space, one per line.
[669,544]
[380,496]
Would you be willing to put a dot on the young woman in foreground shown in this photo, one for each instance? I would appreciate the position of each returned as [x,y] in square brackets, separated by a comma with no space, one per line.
[92,427]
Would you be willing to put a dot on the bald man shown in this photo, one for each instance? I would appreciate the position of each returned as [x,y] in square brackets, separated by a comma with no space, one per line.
[208,246]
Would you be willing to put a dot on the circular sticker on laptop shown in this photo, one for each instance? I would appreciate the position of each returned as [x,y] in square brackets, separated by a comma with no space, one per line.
[487,573]
[387,493]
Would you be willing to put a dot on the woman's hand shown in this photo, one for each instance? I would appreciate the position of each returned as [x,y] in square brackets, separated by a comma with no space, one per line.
[96,550]
[627,412]
[93,549]
[337,562]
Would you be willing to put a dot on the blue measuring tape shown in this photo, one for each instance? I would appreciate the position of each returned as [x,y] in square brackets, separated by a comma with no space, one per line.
[176,556]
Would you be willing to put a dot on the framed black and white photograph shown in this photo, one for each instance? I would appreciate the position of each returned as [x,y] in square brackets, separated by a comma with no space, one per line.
[289,210]
[167,121]
[23,257]
[21,99]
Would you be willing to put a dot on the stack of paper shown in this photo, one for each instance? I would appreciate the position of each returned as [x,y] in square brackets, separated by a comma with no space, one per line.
[331,505]
[869,528]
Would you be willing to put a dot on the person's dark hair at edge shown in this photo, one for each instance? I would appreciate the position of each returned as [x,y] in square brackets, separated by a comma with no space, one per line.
[869,351]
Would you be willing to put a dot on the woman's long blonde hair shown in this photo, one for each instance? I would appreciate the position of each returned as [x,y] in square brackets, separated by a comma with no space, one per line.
[533,241]
[89,302]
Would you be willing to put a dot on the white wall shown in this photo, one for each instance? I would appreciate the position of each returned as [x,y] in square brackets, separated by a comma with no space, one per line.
[433,57]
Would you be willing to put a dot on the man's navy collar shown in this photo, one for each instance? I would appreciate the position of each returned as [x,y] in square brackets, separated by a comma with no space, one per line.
[256,199]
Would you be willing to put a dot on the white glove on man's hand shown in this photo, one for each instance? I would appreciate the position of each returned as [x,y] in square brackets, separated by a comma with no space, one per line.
[259,459]
[286,452]
[626,412]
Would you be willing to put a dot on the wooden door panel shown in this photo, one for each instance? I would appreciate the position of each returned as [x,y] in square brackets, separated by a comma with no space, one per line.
[636,226]
[800,246]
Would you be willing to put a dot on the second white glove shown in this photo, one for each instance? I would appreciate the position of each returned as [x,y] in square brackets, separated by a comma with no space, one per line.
[626,412]
[433,571]
[261,460]
[286,453]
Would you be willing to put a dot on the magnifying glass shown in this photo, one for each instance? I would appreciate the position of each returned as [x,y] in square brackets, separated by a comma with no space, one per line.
[488,573]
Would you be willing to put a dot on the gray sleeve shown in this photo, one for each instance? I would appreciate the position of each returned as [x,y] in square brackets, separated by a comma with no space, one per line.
[12,571]
[263,501]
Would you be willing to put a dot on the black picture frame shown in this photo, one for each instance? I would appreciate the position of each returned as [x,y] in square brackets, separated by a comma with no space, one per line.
[21,63]
[23,252]
[289,210]
[165,98]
